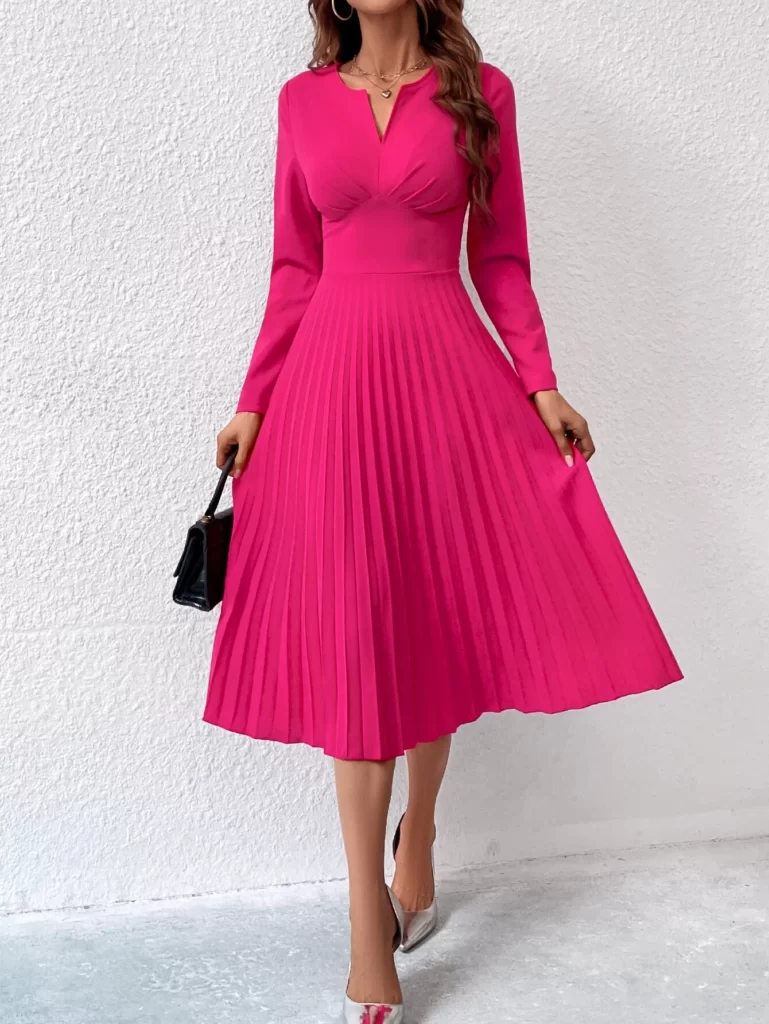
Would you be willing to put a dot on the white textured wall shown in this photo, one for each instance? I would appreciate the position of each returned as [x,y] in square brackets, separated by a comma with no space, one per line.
[137,169]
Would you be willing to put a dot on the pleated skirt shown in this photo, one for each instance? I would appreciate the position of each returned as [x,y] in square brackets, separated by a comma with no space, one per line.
[409,548]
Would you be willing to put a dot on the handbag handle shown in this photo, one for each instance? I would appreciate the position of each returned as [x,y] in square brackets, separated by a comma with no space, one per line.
[209,512]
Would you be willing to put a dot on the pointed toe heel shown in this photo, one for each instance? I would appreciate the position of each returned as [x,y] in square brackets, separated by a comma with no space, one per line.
[378,1013]
[419,927]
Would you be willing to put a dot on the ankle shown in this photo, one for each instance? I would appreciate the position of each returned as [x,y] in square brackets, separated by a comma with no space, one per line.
[369,900]
[418,827]
[372,917]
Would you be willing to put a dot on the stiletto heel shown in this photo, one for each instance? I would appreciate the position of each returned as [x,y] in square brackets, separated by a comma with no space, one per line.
[419,924]
[377,1013]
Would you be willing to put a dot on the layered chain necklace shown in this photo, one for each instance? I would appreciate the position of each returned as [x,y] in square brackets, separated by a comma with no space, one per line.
[373,76]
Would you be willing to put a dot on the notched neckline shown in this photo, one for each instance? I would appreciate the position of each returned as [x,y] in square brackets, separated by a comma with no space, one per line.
[381,136]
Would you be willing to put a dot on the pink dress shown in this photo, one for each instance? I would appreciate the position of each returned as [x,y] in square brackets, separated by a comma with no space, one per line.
[410,549]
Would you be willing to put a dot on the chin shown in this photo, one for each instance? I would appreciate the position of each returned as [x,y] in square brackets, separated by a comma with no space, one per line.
[379,6]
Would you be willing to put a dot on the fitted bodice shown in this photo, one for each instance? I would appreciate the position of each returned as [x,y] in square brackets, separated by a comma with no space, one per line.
[349,202]
[395,204]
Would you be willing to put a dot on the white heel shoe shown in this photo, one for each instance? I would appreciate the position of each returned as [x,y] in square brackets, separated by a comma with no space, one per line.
[377,1013]
[420,924]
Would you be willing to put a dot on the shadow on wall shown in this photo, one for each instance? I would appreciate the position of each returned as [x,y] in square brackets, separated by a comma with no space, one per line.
[642,263]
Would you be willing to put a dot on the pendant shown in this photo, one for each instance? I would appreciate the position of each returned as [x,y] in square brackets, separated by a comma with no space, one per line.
[387,93]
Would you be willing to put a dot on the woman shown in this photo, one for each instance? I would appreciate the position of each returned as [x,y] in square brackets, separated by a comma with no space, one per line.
[417,539]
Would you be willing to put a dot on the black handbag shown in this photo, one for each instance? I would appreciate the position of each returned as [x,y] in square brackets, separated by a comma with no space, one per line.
[200,572]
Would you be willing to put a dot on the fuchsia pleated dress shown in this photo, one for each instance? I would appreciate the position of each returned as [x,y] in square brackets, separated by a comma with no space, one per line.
[409,549]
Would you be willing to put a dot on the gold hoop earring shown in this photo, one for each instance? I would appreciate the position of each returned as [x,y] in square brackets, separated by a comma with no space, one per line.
[338,15]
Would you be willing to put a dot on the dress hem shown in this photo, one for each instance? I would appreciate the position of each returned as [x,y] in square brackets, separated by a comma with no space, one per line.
[430,737]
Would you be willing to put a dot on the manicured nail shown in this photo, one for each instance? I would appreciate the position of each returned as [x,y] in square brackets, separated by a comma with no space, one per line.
[569,460]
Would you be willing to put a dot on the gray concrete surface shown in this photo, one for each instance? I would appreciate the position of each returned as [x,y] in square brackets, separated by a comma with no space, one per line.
[673,935]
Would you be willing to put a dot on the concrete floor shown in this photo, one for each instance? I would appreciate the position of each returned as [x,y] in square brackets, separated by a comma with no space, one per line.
[674,935]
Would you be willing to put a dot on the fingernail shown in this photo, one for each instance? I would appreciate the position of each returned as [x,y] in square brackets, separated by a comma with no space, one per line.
[569,460]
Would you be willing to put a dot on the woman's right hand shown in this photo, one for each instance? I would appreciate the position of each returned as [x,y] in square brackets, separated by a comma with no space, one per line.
[242,430]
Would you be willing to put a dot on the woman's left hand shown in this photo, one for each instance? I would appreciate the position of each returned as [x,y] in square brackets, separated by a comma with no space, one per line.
[564,423]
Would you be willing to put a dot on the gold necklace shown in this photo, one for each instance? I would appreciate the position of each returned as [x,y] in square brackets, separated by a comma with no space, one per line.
[393,78]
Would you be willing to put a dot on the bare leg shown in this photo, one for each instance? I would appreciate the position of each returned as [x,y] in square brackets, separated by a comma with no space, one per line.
[363,791]
[413,881]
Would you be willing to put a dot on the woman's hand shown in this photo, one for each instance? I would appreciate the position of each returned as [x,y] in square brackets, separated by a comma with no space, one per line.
[242,430]
[564,423]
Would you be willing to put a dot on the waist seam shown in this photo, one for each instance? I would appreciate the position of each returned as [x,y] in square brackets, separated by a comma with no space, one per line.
[388,273]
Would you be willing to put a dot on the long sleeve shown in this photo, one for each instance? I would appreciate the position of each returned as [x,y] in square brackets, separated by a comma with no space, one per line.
[296,266]
[498,254]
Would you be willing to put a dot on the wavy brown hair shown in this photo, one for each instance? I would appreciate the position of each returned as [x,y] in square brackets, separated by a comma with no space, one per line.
[448,44]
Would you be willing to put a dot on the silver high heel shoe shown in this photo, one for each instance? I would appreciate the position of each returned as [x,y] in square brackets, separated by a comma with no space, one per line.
[420,924]
[377,1013]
